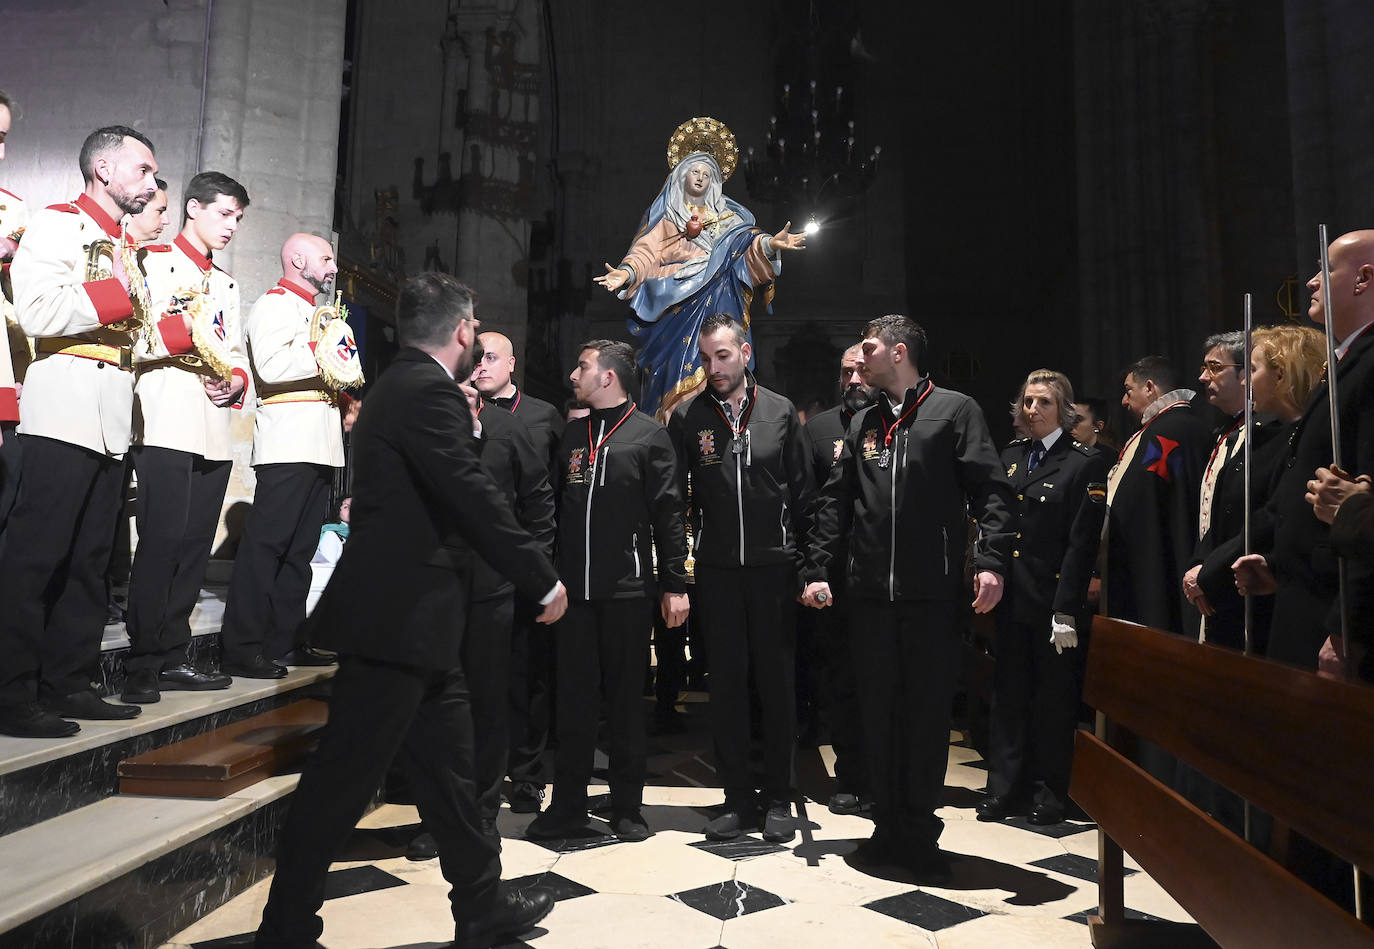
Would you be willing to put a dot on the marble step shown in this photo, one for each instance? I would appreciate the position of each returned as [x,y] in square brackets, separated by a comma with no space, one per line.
[130,871]
[43,778]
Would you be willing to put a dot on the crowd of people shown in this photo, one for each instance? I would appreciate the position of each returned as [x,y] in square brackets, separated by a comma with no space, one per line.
[504,557]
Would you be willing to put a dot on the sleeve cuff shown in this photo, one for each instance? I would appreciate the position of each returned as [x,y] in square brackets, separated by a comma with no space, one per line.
[243,393]
[9,405]
[548,597]
[111,302]
[172,329]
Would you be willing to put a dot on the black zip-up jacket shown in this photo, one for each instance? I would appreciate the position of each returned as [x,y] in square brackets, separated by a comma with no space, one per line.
[615,512]
[906,522]
[510,457]
[754,507]
[543,422]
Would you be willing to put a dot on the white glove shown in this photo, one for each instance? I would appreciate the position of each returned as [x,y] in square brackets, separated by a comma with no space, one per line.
[1063,635]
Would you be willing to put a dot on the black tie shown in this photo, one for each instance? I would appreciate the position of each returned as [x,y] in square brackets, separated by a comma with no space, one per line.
[1037,455]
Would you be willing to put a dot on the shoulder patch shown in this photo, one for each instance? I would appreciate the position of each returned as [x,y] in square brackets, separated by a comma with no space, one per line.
[1097,491]
[66,206]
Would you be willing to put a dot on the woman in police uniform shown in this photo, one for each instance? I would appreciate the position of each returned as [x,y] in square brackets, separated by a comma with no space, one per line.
[1060,489]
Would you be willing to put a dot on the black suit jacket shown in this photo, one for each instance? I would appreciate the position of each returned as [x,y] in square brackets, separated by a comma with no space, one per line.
[421,506]
[1057,518]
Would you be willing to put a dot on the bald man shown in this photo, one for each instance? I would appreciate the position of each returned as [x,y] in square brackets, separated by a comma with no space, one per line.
[297,444]
[532,646]
[1294,557]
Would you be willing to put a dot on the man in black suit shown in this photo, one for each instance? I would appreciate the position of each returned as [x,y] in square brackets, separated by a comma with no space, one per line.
[1294,557]
[423,508]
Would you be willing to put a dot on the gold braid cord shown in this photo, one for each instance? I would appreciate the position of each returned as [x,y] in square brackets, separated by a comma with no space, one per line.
[325,322]
[208,347]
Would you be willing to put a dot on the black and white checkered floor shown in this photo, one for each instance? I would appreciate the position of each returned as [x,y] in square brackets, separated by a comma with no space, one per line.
[1014,885]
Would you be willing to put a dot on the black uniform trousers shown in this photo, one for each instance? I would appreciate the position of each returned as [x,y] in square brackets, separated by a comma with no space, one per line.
[52,575]
[748,615]
[271,578]
[379,711]
[1036,694]
[11,468]
[906,664]
[179,499]
[602,648]
[839,693]
[487,657]
[532,649]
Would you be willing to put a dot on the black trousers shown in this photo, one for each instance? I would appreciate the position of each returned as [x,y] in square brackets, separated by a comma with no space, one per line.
[602,648]
[52,575]
[179,499]
[11,469]
[271,578]
[748,615]
[839,694]
[1036,693]
[906,664]
[487,658]
[379,711]
[531,694]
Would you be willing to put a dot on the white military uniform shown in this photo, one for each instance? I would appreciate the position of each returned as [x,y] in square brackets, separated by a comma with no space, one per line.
[83,396]
[173,409]
[14,346]
[298,418]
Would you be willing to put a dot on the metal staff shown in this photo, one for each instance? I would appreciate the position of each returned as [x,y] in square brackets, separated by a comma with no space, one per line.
[1328,306]
[1248,449]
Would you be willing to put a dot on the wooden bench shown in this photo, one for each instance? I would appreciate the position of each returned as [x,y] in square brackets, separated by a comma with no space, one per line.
[228,759]
[1297,746]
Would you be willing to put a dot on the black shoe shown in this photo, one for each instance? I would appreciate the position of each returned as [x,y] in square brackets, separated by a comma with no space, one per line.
[778,825]
[526,797]
[31,720]
[86,704]
[630,826]
[727,825]
[422,847]
[1047,813]
[996,807]
[255,668]
[873,852]
[190,679]
[928,865]
[551,825]
[140,687]
[308,656]
[515,913]
[844,803]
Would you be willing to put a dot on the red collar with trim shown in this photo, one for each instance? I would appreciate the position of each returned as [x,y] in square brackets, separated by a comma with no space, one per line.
[288,285]
[186,247]
[97,214]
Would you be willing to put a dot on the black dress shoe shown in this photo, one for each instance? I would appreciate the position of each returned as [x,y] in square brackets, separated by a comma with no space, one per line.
[778,825]
[551,825]
[526,797]
[515,913]
[996,807]
[1047,813]
[630,826]
[86,704]
[140,687]
[929,865]
[308,656]
[727,825]
[188,678]
[255,668]
[422,847]
[31,720]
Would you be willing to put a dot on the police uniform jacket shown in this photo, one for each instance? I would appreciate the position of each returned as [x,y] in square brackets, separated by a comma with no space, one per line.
[171,409]
[906,522]
[755,506]
[510,458]
[1057,520]
[80,400]
[293,422]
[543,422]
[615,511]
[14,345]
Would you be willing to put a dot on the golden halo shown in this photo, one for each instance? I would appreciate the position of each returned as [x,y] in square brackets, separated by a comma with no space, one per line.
[708,135]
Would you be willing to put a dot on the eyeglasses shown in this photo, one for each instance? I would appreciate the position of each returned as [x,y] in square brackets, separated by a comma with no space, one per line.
[1211,367]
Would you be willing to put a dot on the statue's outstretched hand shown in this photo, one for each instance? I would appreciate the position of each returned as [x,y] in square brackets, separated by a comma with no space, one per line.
[613,279]
[783,240]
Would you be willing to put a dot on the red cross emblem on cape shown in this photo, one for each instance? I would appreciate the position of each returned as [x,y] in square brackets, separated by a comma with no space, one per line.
[1157,456]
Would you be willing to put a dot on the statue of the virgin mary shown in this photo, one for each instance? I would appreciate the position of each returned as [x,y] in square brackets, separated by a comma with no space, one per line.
[696,253]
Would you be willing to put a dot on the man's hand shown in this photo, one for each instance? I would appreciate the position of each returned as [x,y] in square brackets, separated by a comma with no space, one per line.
[556,607]
[674,607]
[783,240]
[613,279]
[987,591]
[223,392]
[1329,488]
[1254,576]
[1331,660]
[1063,633]
[817,595]
[1194,593]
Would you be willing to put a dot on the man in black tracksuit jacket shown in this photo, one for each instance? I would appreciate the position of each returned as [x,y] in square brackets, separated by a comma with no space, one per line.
[620,502]
[914,466]
[754,500]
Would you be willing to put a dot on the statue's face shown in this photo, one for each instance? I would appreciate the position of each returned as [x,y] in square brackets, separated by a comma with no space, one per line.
[697,181]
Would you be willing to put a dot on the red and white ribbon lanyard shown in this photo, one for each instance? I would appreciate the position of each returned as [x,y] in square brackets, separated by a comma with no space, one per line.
[736,432]
[596,447]
[885,458]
